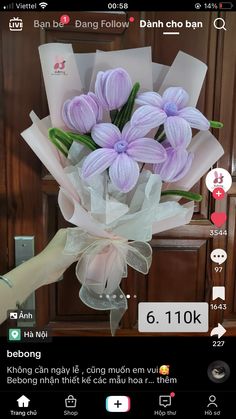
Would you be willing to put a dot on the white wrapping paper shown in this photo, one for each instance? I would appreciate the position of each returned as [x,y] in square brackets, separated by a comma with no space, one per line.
[60,83]
[186,72]
[137,62]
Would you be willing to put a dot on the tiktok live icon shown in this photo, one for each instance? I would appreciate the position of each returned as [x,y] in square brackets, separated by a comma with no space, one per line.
[218,178]
[16,24]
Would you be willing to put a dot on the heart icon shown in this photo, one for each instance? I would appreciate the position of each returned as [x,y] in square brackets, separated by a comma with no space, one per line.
[218,218]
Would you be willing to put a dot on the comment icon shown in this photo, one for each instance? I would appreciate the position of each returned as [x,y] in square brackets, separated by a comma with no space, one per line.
[218,256]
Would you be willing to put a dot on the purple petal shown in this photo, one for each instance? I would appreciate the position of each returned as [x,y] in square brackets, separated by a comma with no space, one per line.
[81,113]
[105,134]
[167,170]
[147,150]
[98,161]
[118,88]
[148,116]
[112,88]
[99,89]
[124,172]
[178,131]
[185,168]
[130,133]
[96,105]
[195,118]
[149,98]
[176,166]
[66,115]
[176,95]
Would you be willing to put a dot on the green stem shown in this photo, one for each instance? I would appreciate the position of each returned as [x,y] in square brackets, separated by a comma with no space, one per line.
[59,135]
[184,194]
[159,131]
[84,139]
[60,139]
[60,147]
[142,168]
[216,124]
[124,115]
[160,137]
[63,140]
[113,115]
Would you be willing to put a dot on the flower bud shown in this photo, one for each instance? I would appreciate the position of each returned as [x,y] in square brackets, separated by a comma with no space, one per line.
[113,88]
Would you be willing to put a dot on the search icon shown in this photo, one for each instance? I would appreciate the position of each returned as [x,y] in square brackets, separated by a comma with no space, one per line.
[219,23]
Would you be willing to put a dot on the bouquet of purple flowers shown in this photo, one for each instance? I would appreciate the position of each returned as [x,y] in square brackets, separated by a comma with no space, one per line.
[123,144]
[123,156]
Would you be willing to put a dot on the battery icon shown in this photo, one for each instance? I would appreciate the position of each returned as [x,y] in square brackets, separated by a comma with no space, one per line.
[226,5]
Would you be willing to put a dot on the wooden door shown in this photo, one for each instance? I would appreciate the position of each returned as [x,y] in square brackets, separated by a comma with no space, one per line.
[181,269]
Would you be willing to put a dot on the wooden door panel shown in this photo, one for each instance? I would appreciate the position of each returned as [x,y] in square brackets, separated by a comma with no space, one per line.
[178,271]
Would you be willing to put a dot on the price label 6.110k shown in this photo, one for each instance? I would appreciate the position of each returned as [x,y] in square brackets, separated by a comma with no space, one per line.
[173,317]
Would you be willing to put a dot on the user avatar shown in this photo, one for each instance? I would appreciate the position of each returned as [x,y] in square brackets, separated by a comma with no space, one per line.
[218,371]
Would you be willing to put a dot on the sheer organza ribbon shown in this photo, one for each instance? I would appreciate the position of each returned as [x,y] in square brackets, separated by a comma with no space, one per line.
[101,264]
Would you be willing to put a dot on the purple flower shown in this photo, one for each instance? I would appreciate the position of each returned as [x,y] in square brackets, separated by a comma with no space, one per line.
[157,110]
[82,112]
[120,152]
[113,87]
[178,134]
[176,166]
[178,160]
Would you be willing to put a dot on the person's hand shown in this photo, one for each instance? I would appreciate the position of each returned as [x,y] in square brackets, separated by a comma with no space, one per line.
[54,261]
[45,268]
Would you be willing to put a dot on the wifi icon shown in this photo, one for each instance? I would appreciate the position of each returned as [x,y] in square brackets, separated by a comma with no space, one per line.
[43,5]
